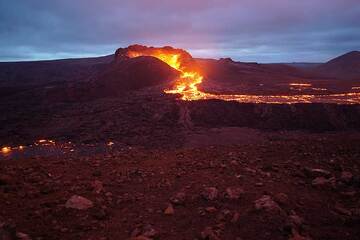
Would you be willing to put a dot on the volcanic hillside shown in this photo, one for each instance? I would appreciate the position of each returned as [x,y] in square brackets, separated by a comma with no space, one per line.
[346,66]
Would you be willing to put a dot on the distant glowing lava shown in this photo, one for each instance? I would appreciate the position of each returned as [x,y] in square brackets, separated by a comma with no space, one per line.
[6,150]
[190,77]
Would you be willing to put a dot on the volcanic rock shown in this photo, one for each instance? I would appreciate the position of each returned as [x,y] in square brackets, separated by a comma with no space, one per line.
[267,203]
[346,177]
[317,172]
[295,220]
[235,217]
[169,210]
[209,234]
[281,198]
[210,193]
[234,192]
[297,236]
[144,232]
[179,198]
[210,209]
[98,186]
[322,182]
[22,236]
[78,202]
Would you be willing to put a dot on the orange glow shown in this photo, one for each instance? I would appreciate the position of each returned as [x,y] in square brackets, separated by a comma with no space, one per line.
[300,84]
[6,150]
[190,77]
[45,142]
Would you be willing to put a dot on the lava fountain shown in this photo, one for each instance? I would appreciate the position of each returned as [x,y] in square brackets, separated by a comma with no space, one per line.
[182,61]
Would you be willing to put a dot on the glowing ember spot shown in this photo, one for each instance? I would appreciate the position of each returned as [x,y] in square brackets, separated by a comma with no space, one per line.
[300,84]
[44,142]
[6,150]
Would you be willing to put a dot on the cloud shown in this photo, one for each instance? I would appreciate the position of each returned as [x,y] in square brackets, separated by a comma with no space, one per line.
[262,30]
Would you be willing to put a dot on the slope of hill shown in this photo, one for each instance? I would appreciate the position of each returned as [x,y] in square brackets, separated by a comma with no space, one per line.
[133,74]
[43,72]
[346,66]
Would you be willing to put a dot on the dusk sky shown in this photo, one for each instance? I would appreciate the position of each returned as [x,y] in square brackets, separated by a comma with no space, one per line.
[245,30]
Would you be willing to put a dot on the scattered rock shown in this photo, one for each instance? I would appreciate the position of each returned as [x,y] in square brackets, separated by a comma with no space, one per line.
[317,172]
[281,198]
[234,192]
[143,232]
[297,236]
[179,198]
[22,236]
[235,217]
[209,234]
[322,182]
[169,210]
[224,215]
[149,231]
[319,181]
[78,202]
[341,210]
[266,203]
[210,193]
[210,209]
[295,220]
[97,186]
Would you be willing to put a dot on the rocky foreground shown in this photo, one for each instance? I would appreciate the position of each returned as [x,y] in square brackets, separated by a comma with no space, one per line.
[170,169]
[302,187]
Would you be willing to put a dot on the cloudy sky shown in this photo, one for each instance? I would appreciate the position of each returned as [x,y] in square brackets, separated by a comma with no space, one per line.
[246,30]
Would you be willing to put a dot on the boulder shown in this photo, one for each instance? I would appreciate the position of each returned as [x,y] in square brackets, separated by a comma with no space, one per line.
[79,202]
[267,204]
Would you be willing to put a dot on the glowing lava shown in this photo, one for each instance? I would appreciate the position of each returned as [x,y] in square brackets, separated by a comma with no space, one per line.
[6,150]
[191,77]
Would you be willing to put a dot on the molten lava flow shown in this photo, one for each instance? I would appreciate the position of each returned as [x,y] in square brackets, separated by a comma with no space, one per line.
[189,78]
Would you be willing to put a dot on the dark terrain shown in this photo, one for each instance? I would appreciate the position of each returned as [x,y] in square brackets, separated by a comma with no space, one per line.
[147,165]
